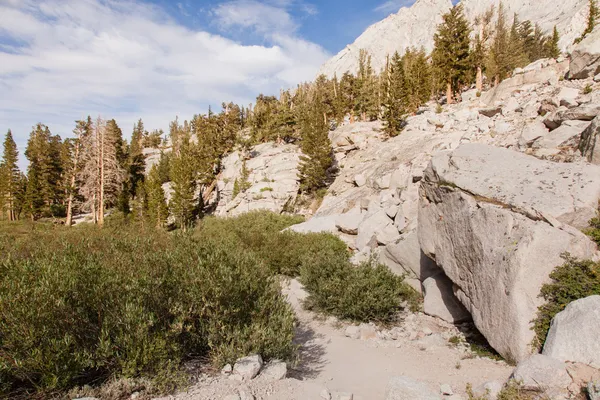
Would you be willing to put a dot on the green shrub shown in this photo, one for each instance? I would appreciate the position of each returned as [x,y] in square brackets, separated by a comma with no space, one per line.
[587,89]
[368,292]
[571,281]
[85,305]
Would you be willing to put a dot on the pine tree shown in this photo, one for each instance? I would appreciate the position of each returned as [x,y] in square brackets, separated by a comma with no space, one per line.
[10,176]
[33,199]
[137,161]
[519,57]
[591,22]
[395,103]
[451,53]
[183,205]
[552,50]
[315,146]
[417,79]
[500,61]
[365,103]
[158,211]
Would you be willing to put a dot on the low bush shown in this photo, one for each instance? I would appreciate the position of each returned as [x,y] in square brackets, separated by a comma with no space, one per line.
[571,281]
[80,306]
[368,292]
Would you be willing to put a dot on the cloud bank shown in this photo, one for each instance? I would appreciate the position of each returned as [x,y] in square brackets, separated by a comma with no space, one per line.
[61,60]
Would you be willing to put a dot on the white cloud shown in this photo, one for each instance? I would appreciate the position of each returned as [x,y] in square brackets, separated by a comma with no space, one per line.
[254,14]
[392,6]
[61,60]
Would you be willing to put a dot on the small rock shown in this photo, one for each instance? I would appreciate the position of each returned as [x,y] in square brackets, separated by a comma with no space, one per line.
[232,397]
[134,395]
[597,78]
[490,112]
[427,332]
[446,390]
[248,367]
[353,332]
[325,394]
[490,389]
[360,180]
[246,396]
[274,371]
[343,396]
[367,332]
[227,369]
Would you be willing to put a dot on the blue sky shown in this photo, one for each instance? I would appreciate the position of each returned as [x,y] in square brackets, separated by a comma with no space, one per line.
[61,60]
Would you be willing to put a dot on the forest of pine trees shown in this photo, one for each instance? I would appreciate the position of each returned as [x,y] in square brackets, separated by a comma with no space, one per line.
[97,169]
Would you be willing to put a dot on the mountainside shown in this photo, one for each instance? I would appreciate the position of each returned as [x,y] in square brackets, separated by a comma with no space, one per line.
[415,26]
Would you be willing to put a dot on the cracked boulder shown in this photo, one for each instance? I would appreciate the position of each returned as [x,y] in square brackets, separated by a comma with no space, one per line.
[497,222]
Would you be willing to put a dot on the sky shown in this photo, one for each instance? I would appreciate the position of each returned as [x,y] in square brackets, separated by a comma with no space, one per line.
[61,60]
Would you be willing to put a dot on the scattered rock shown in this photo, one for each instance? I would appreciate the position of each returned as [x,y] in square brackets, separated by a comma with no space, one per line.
[360,180]
[232,397]
[540,372]
[370,227]
[316,225]
[367,331]
[353,332]
[227,369]
[489,389]
[248,367]
[325,395]
[490,112]
[343,396]
[587,145]
[573,334]
[350,221]
[446,390]
[403,388]
[274,371]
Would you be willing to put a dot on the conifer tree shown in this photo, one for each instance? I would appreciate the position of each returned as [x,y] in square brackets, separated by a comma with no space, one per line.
[519,57]
[500,61]
[451,53]
[157,206]
[137,161]
[34,200]
[315,145]
[366,99]
[395,104]
[10,176]
[183,205]
[552,49]
[417,79]
[591,21]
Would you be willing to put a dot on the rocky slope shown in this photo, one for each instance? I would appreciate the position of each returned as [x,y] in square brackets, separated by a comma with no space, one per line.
[414,27]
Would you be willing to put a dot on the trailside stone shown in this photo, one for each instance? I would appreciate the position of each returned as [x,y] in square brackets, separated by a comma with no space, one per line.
[559,140]
[593,390]
[389,234]
[573,334]
[316,225]
[488,390]
[585,57]
[585,112]
[350,221]
[490,112]
[540,372]
[492,216]
[274,371]
[531,132]
[439,300]
[353,332]
[360,180]
[406,257]
[587,144]
[248,367]
[446,390]
[404,388]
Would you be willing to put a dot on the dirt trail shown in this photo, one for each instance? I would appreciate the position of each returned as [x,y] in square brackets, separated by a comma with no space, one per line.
[330,360]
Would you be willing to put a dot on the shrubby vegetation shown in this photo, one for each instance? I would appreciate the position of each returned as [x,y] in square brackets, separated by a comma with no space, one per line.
[85,305]
[571,281]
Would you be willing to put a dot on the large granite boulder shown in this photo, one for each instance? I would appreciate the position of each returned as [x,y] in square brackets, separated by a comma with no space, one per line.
[497,222]
[587,144]
[585,57]
[543,374]
[573,335]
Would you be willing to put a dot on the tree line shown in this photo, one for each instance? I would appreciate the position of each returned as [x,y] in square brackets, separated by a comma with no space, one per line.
[98,169]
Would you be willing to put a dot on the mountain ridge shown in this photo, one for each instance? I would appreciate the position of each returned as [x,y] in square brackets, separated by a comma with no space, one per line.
[415,26]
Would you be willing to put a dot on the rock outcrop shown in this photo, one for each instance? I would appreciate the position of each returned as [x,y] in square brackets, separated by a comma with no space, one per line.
[585,58]
[544,374]
[272,180]
[573,335]
[497,221]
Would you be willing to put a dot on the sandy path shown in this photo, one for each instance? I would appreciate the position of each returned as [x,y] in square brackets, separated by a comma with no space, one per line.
[330,360]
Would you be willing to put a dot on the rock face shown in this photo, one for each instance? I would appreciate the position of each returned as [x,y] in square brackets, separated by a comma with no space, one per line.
[497,222]
[573,335]
[440,301]
[415,26]
[410,27]
[272,179]
[585,58]
[587,145]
